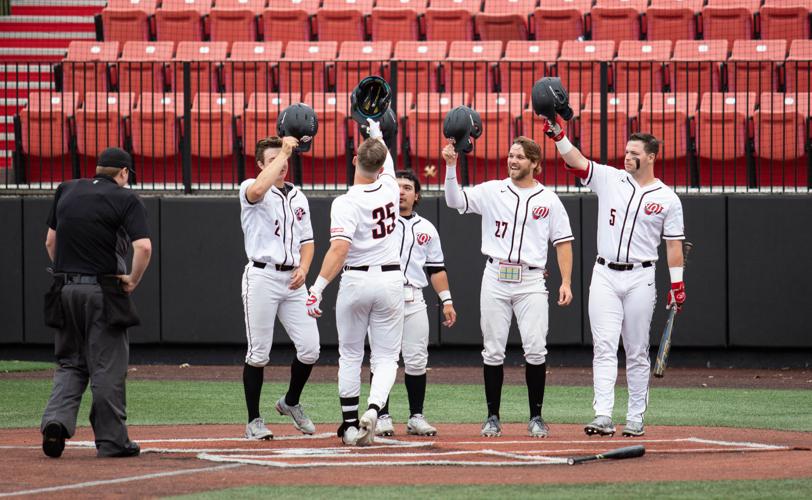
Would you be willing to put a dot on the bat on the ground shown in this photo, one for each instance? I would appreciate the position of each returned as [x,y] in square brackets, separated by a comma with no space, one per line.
[617,454]
[665,341]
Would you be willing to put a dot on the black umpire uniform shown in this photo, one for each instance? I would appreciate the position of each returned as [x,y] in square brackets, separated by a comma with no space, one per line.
[91,226]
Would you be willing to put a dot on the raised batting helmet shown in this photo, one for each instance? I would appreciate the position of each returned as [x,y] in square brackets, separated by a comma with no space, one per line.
[299,121]
[460,124]
[370,99]
[550,97]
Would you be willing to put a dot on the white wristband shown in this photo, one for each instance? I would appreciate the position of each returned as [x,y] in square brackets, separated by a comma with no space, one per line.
[445,296]
[564,145]
[450,171]
[320,284]
[676,274]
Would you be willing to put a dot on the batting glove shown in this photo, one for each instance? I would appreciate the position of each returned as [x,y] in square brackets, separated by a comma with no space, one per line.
[374,129]
[554,130]
[313,304]
[676,296]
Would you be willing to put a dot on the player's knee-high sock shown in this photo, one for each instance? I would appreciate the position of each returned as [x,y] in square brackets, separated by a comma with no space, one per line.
[349,411]
[385,409]
[416,389]
[494,376]
[536,378]
[299,373]
[252,383]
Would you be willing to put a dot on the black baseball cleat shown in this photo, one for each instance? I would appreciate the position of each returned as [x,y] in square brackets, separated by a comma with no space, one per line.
[53,439]
[130,450]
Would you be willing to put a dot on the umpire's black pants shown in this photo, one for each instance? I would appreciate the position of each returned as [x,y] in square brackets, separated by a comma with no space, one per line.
[87,348]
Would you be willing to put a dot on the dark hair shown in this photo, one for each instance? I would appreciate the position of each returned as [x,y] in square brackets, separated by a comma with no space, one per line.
[267,143]
[411,176]
[371,155]
[650,143]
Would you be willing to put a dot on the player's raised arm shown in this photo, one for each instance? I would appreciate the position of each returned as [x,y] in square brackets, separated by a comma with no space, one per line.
[550,100]
[571,155]
[269,174]
[374,131]
[453,191]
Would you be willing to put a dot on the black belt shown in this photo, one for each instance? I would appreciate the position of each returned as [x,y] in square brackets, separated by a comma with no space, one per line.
[622,267]
[388,267]
[278,267]
[81,279]
[490,261]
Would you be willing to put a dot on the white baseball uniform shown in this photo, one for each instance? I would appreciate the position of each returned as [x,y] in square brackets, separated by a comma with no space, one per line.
[275,228]
[517,224]
[631,221]
[370,297]
[419,247]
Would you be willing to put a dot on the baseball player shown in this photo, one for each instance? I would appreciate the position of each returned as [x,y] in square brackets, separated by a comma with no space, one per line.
[635,209]
[519,217]
[279,244]
[370,298]
[419,248]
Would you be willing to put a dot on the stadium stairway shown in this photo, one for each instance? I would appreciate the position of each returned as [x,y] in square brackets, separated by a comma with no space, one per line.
[34,37]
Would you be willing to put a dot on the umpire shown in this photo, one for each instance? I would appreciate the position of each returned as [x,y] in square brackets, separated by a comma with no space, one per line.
[90,227]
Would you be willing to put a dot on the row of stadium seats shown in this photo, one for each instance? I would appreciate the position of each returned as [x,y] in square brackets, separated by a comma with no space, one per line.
[701,66]
[450,20]
[718,127]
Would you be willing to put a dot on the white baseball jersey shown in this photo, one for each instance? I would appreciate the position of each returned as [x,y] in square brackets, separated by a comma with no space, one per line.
[366,216]
[631,218]
[276,226]
[419,248]
[517,223]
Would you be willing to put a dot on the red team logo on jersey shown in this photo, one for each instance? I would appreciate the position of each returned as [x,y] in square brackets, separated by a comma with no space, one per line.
[653,208]
[422,238]
[540,212]
[299,213]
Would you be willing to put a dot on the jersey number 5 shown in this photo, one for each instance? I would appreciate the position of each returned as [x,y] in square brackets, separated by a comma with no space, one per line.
[612,213]
[381,215]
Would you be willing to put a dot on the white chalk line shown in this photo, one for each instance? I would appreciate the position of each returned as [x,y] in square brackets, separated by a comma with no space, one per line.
[89,484]
[289,465]
[746,444]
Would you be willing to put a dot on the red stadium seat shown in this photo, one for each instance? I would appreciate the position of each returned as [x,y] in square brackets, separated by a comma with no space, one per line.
[504,20]
[785,19]
[213,124]
[44,123]
[289,20]
[419,65]
[579,66]
[729,20]
[560,20]
[525,62]
[673,19]
[205,60]
[343,20]
[126,20]
[780,137]
[99,123]
[365,6]
[696,65]
[667,116]
[639,66]
[304,67]
[155,124]
[321,164]
[426,122]
[235,20]
[444,24]
[798,67]
[181,20]
[722,136]
[472,6]
[622,109]
[357,60]
[616,21]
[499,113]
[86,66]
[328,102]
[471,66]
[142,66]
[753,65]
[249,67]
[418,6]
[533,127]
[260,117]
[511,102]
[394,24]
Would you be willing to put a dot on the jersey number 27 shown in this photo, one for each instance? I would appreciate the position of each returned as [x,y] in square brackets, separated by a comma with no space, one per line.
[381,216]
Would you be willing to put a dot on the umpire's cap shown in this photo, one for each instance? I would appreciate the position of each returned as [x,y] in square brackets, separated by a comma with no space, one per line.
[299,121]
[115,158]
[370,99]
[460,124]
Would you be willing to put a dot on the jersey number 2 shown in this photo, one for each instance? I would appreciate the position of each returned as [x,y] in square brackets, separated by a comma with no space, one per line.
[381,215]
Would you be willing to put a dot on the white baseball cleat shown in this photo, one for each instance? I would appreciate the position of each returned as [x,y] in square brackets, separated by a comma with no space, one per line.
[601,425]
[301,421]
[491,427]
[366,428]
[537,428]
[418,426]
[256,430]
[384,427]
[633,429]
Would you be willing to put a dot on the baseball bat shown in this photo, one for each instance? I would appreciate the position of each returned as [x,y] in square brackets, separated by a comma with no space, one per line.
[617,454]
[665,341]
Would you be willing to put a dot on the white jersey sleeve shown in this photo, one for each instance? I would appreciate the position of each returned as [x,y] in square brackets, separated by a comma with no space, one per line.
[560,230]
[343,219]
[434,252]
[599,176]
[674,227]
[307,225]
[475,199]
[244,203]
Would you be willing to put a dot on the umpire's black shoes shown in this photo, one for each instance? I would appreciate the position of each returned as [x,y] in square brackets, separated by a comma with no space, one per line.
[131,449]
[53,439]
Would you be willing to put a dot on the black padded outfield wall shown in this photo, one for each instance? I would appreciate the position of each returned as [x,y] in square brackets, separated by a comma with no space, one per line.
[747,282]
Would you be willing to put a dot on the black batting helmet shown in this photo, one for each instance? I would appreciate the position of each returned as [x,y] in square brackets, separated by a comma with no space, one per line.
[460,124]
[299,121]
[370,99]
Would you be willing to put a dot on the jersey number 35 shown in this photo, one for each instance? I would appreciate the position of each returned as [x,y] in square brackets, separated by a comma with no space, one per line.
[381,216]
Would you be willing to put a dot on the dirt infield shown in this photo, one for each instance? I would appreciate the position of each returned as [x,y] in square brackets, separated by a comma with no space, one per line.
[196,458]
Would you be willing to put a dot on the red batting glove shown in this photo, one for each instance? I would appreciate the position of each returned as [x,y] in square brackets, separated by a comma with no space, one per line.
[676,296]
[554,130]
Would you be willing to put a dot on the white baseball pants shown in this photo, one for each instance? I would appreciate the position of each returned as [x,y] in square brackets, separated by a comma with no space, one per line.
[621,304]
[265,294]
[500,300]
[369,301]
[415,335]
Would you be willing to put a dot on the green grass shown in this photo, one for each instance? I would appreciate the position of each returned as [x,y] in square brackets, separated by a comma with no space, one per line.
[741,490]
[181,402]
[8,366]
